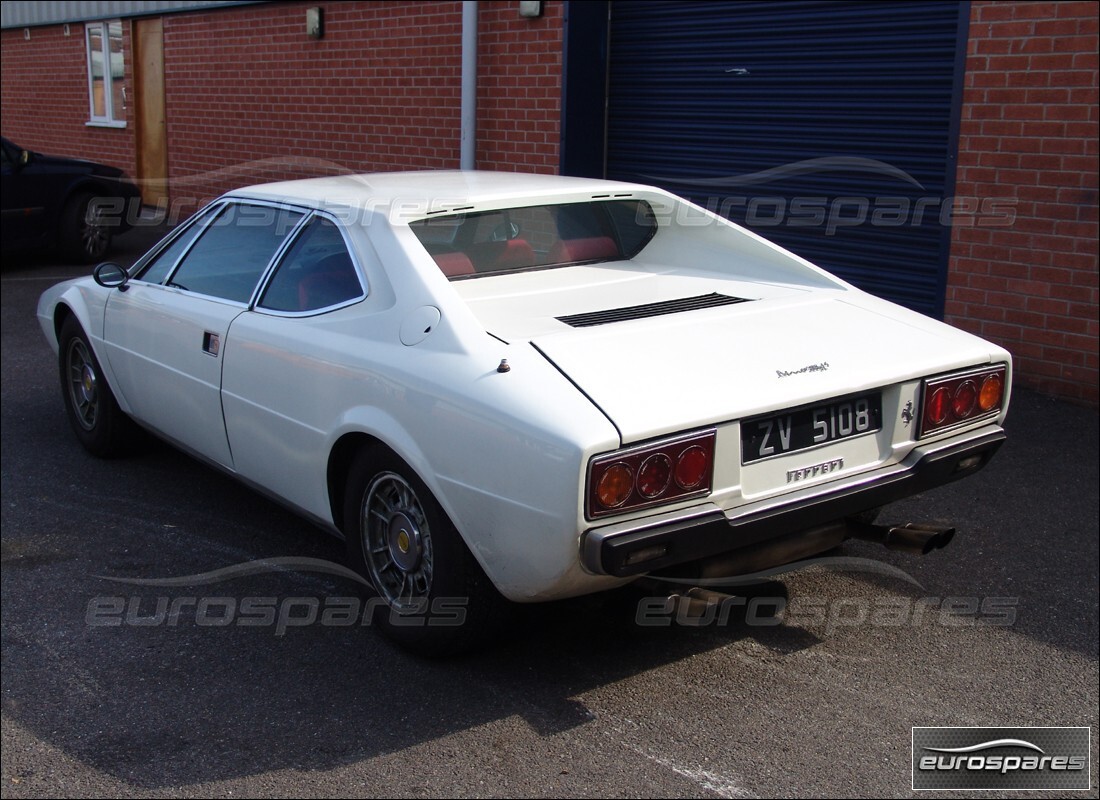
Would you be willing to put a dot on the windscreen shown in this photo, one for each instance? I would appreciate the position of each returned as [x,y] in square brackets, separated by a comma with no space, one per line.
[536,237]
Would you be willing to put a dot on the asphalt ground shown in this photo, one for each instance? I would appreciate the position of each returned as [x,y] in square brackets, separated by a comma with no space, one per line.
[998,629]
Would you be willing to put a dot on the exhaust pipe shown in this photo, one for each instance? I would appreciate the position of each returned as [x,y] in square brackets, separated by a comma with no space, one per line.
[698,607]
[909,538]
[692,603]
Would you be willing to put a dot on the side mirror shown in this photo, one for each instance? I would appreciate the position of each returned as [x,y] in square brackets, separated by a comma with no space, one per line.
[110,275]
[24,158]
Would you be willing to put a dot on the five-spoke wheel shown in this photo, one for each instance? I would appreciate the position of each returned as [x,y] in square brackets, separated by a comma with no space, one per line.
[86,229]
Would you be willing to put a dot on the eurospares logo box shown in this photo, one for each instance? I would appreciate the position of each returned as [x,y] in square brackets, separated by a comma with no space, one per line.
[1001,758]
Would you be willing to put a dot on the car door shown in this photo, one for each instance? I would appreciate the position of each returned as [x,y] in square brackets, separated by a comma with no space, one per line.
[23,198]
[283,386]
[166,335]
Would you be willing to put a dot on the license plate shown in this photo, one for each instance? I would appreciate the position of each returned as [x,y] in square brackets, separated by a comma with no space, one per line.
[773,435]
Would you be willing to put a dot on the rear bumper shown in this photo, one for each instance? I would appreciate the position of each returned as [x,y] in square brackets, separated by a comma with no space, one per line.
[665,540]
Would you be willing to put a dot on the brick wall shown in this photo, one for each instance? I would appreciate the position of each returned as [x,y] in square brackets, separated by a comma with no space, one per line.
[1029,137]
[44,96]
[251,98]
[519,87]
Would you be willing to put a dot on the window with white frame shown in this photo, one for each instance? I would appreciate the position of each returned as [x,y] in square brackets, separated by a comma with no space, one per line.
[106,73]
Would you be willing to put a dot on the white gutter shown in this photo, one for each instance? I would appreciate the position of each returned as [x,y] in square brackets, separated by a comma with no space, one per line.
[468,149]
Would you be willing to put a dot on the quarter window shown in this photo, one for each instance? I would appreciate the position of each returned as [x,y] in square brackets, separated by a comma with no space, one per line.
[106,73]
[317,272]
[234,250]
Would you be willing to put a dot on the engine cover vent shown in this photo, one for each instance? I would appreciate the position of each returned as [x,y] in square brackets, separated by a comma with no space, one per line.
[712,300]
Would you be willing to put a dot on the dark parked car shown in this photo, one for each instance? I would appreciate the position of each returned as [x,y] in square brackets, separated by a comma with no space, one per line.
[78,205]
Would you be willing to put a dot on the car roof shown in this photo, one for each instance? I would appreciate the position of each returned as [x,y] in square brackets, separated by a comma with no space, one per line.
[416,194]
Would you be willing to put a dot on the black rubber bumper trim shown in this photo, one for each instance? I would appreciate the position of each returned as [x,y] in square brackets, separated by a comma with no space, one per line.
[710,533]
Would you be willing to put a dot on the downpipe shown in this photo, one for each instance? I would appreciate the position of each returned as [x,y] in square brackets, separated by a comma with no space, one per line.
[908,538]
[468,88]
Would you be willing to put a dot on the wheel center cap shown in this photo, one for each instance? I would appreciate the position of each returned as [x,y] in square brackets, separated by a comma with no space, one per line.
[403,540]
[87,382]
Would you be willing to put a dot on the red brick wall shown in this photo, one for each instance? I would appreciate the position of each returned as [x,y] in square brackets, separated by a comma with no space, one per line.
[44,96]
[519,87]
[251,98]
[1029,135]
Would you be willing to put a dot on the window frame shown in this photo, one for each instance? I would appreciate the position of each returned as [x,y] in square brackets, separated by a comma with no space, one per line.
[199,221]
[112,117]
[218,208]
[280,257]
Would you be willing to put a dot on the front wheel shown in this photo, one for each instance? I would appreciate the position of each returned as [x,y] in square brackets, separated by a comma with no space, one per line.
[432,596]
[100,425]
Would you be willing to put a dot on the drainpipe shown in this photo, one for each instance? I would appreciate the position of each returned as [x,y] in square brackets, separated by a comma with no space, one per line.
[468,151]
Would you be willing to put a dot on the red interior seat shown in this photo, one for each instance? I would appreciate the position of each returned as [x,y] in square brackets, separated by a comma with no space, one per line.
[593,248]
[454,264]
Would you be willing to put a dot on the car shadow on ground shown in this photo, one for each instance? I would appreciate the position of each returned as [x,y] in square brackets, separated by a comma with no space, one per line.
[161,702]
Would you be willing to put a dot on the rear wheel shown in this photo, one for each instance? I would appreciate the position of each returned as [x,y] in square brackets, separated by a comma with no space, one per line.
[85,232]
[99,423]
[433,597]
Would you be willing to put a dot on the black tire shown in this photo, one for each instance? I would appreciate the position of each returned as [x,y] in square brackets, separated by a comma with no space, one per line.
[100,425]
[85,233]
[436,599]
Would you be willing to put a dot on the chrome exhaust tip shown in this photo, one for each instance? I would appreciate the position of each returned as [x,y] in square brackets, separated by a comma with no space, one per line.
[908,538]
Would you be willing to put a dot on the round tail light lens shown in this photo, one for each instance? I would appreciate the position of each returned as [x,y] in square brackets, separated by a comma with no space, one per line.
[615,486]
[992,390]
[966,397]
[654,476]
[691,467]
[650,474]
[938,405]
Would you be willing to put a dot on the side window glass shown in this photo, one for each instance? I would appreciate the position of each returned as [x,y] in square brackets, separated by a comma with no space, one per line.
[159,268]
[317,272]
[233,252]
[635,224]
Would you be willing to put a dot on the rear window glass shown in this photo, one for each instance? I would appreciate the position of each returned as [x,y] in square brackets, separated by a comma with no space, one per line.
[535,237]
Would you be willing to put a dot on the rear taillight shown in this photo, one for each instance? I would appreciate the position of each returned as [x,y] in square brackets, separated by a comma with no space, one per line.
[650,474]
[992,392]
[951,400]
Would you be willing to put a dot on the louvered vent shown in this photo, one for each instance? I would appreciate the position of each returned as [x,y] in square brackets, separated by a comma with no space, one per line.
[589,319]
